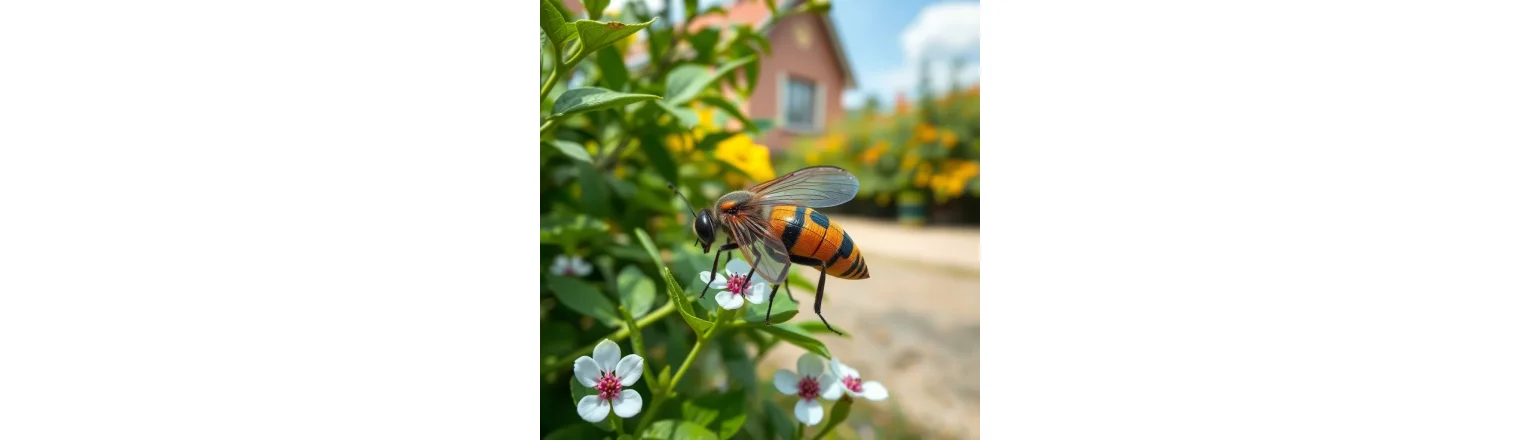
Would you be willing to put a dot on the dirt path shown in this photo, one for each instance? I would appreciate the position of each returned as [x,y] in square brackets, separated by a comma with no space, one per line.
[915,322]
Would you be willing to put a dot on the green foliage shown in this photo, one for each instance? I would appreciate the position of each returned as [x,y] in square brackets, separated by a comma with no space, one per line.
[587,99]
[609,146]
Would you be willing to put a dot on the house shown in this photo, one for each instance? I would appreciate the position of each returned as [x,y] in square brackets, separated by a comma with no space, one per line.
[802,81]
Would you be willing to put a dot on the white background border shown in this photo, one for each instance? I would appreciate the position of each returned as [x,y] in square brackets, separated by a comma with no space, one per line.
[1205,220]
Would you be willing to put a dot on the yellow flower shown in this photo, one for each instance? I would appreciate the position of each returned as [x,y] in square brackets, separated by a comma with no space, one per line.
[922,177]
[742,152]
[833,142]
[925,133]
[678,143]
[873,154]
[910,160]
[947,139]
[812,158]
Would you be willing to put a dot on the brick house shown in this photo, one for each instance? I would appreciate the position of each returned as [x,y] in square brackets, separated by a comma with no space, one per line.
[802,81]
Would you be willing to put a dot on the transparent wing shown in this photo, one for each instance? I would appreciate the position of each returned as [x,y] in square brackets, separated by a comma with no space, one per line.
[763,251]
[816,187]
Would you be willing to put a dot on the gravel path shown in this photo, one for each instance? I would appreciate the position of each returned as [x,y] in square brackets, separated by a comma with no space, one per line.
[915,323]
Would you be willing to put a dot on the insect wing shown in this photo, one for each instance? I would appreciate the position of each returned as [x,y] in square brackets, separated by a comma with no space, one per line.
[816,187]
[763,251]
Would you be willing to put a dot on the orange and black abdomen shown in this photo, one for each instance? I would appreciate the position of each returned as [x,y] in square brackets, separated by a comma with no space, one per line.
[812,240]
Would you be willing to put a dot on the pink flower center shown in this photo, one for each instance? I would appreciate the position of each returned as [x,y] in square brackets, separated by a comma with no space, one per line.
[737,283]
[807,388]
[569,270]
[608,387]
[852,383]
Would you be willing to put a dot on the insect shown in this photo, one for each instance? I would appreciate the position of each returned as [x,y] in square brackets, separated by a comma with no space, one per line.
[775,225]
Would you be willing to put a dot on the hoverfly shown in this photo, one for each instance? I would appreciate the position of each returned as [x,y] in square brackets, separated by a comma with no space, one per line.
[775,225]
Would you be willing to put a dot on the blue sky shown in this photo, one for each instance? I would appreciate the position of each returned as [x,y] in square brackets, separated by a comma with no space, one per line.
[885,40]
[881,37]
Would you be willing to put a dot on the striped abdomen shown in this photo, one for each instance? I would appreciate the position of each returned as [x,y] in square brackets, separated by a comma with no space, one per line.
[812,240]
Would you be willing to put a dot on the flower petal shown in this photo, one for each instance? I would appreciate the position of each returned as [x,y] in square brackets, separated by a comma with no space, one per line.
[809,412]
[630,369]
[627,403]
[841,370]
[810,365]
[786,382]
[757,293]
[728,300]
[737,266]
[561,260]
[580,266]
[593,409]
[829,387]
[873,390]
[607,354]
[587,371]
[718,283]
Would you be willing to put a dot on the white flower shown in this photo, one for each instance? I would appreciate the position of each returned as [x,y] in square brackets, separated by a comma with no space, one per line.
[849,381]
[735,285]
[611,378]
[570,266]
[810,383]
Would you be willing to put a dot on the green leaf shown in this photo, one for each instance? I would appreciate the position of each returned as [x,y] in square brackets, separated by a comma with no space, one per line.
[594,8]
[583,298]
[711,140]
[705,41]
[614,72]
[782,424]
[654,149]
[578,391]
[721,412]
[648,244]
[677,430]
[739,365]
[556,338]
[571,150]
[818,328]
[683,304]
[553,24]
[577,431]
[635,291]
[587,99]
[730,109]
[837,415]
[687,117]
[781,311]
[795,277]
[593,191]
[558,229]
[596,35]
[691,7]
[798,337]
[686,82]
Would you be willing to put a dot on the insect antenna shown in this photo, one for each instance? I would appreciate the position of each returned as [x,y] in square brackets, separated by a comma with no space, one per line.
[683,198]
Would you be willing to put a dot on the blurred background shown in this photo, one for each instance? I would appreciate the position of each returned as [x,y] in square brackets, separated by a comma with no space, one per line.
[886,90]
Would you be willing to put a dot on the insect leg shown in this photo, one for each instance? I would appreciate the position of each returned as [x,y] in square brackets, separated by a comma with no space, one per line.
[726,248]
[818,303]
[768,307]
[788,287]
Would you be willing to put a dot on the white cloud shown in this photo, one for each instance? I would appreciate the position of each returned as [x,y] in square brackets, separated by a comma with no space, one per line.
[944,30]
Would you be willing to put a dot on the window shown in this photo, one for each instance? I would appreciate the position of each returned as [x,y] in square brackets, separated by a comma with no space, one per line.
[801,104]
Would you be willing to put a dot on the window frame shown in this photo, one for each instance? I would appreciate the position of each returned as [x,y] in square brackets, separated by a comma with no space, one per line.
[819,103]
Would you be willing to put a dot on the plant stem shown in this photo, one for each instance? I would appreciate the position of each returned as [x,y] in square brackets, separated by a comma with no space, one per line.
[638,346]
[543,92]
[614,337]
[800,427]
[662,395]
[617,424]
